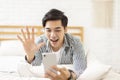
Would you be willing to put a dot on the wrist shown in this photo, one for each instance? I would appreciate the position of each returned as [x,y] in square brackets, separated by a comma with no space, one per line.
[72,75]
[29,59]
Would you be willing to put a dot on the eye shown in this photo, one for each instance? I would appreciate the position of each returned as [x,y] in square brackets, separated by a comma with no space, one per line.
[48,30]
[57,30]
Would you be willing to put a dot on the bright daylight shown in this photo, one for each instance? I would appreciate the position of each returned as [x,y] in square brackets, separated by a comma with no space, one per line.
[59,40]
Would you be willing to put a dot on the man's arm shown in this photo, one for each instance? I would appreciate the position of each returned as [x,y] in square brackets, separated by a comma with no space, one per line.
[79,59]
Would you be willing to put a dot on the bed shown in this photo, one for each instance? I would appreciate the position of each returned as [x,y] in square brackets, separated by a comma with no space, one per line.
[12,57]
[10,32]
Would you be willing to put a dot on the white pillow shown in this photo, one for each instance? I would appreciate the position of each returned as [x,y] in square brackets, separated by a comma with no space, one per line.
[112,75]
[95,70]
[11,48]
[10,63]
[27,70]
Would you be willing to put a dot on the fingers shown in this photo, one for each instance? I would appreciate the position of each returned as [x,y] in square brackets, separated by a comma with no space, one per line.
[32,33]
[55,68]
[61,70]
[48,76]
[23,33]
[52,75]
[20,38]
[28,32]
[64,73]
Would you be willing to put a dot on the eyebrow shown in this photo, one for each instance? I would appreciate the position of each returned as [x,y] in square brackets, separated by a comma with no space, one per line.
[55,28]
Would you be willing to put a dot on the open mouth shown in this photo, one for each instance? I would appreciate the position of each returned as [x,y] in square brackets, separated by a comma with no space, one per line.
[54,40]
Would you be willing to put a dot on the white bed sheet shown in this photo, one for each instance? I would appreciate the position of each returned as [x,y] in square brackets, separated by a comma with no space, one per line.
[9,64]
[9,68]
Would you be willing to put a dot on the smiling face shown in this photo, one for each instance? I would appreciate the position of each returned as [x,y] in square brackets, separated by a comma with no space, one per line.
[55,33]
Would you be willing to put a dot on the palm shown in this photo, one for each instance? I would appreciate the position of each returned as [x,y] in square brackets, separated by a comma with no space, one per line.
[30,47]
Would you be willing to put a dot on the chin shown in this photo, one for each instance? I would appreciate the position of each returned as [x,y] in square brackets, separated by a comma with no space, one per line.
[54,45]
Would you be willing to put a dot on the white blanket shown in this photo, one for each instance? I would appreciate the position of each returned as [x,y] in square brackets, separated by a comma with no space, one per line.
[9,66]
[12,54]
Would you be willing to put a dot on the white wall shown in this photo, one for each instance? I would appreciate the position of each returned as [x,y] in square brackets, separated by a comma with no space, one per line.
[30,12]
[116,36]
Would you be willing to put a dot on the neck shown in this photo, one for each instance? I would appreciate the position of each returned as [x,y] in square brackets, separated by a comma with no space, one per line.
[55,48]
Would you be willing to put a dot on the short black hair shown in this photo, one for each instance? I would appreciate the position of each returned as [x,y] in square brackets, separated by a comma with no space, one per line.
[55,14]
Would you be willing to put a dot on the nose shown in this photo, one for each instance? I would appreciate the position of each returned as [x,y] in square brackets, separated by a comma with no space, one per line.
[53,34]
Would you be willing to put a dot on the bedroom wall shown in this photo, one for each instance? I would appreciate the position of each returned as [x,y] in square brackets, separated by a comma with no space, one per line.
[30,12]
[103,42]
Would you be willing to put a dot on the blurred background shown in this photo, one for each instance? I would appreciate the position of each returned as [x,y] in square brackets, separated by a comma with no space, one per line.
[100,19]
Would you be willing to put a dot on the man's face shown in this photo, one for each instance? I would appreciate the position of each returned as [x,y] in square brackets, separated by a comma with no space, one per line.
[55,33]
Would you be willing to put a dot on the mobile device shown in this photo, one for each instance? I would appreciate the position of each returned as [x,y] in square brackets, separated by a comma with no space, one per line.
[49,59]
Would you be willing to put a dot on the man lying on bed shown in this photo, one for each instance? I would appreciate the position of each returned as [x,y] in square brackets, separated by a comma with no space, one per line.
[55,40]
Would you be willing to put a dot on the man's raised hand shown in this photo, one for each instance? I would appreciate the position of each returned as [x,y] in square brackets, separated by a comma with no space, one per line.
[28,41]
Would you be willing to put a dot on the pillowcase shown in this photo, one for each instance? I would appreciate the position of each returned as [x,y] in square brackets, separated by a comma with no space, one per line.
[112,75]
[27,70]
[11,48]
[10,63]
[95,70]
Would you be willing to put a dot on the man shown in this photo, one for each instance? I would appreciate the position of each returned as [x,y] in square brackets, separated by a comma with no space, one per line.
[68,48]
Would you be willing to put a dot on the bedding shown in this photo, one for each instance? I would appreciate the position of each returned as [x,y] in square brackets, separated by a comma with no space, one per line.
[10,63]
[11,69]
[112,75]
[11,47]
[13,65]
[9,66]
[95,71]
[27,70]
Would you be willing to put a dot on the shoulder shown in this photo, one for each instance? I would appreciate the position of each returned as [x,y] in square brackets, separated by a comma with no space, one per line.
[72,39]
[41,38]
